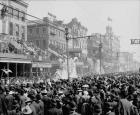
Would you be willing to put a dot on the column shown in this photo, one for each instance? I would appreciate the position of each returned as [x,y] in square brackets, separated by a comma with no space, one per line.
[16,69]
[8,69]
[23,69]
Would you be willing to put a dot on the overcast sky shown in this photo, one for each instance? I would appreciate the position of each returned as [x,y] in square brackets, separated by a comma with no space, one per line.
[93,14]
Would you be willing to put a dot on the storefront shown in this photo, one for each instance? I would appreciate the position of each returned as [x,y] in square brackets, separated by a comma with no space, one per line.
[41,68]
[18,67]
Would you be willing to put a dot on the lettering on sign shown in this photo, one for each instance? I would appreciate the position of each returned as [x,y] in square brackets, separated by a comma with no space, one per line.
[135,41]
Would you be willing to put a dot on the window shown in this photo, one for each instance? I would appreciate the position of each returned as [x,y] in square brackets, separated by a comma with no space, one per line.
[37,30]
[11,28]
[17,30]
[44,43]
[30,31]
[37,43]
[59,34]
[22,16]
[44,29]
[16,13]
[23,32]
[10,11]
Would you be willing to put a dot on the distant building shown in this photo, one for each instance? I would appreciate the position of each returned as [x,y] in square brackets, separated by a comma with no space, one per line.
[126,61]
[109,52]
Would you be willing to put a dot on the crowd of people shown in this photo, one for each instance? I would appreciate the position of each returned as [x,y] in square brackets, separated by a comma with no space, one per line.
[107,94]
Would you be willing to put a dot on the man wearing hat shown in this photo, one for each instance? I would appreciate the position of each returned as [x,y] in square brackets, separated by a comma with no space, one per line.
[3,107]
[40,104]
[108,109]
[72,108]
[54,110]
[97,109]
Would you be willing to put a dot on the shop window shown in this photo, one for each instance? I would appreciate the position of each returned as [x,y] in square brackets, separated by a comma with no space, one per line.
[17,30]
[23,33]
[44,30]
[16,13]
[11,28]
[37,30]
[10,11]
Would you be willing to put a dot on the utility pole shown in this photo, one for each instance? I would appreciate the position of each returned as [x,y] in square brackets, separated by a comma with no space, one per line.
[100,52]
[67,52]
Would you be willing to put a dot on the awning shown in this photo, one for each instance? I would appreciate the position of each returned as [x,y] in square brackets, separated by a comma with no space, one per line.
[15,61]
[42,65]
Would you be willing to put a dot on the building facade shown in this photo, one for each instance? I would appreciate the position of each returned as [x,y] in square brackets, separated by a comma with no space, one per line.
[76,29]
[104,50]
[49,35]
[13,29]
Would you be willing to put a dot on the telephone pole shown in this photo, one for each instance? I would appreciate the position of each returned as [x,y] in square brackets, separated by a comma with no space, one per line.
[67,51]
[100,52]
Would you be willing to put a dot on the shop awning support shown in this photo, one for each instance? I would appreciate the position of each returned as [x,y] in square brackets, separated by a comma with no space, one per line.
[16,70]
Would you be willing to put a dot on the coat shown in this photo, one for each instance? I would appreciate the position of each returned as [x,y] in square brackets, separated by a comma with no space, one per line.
[54,111]
[3,107]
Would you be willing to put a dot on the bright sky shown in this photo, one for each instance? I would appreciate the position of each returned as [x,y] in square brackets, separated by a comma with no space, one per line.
[93,14]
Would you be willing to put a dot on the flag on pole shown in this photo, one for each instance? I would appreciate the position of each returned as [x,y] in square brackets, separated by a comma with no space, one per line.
[109,19]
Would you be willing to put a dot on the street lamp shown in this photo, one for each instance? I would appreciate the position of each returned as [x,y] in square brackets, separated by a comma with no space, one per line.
[67,52]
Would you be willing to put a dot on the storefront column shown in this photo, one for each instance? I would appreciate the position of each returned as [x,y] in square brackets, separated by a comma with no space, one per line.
[31,70]
[23,69]
[8,69]
[16,69]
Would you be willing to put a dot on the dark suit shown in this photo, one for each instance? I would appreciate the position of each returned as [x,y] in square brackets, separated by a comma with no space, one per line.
[55,111]
[3,107]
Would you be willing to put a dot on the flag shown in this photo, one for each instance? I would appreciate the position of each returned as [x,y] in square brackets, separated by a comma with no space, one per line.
[109,19]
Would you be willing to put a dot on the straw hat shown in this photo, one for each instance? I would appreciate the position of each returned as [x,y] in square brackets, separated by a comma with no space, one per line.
[44,91]
[26,110]
[85,86]
[11,92]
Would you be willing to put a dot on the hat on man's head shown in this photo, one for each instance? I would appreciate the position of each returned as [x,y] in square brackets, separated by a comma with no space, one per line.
[85,86]
[44,92]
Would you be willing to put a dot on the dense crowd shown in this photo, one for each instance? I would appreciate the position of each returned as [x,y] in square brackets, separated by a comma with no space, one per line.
[107,94]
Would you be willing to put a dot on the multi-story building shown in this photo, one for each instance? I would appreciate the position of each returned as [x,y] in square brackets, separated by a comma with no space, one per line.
[114,49]
[104,49]
[76,29]
[49,35]
[13,29]
[77,47]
